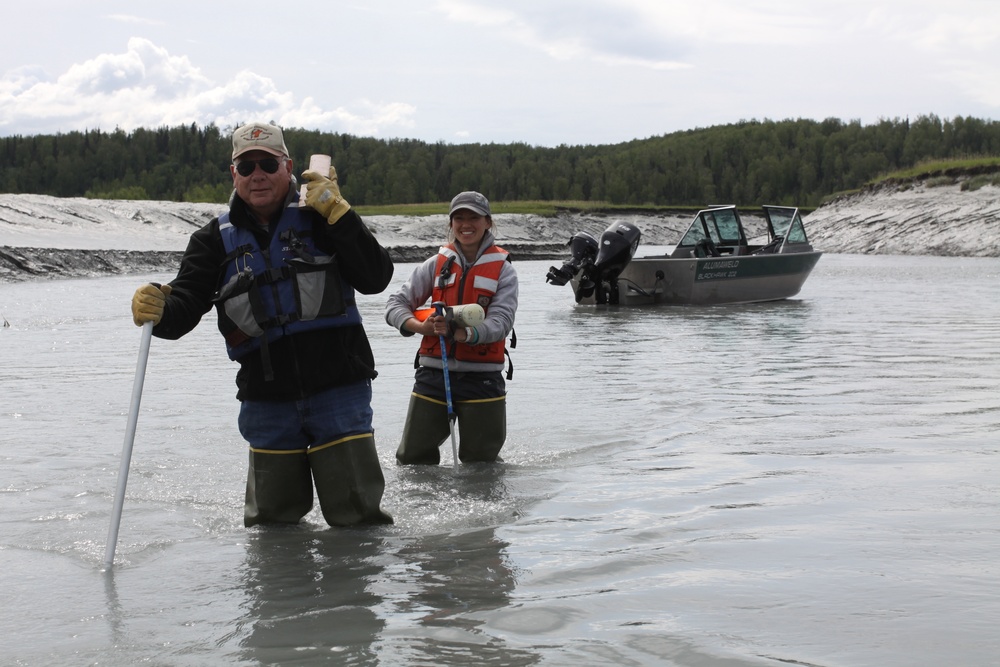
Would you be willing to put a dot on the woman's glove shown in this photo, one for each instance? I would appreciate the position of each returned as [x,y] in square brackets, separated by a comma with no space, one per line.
[148,302]
[323,195]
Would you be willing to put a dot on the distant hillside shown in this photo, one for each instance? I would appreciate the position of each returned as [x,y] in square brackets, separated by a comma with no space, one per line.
[791,162]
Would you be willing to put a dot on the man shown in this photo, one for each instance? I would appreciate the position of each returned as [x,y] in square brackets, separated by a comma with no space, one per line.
[282,276]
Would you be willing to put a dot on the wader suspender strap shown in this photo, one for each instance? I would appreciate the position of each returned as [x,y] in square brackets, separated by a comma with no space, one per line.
[445,272]
[443,275]
[442,282]
[510,361]
[513,344]
[265,352]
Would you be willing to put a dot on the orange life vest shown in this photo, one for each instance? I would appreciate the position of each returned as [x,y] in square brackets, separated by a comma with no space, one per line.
[476,285]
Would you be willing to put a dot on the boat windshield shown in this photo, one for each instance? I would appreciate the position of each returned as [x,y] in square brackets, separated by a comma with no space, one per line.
[786,222]
[722,225]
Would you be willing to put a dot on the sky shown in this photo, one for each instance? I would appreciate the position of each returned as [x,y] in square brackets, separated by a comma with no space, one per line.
[540,72]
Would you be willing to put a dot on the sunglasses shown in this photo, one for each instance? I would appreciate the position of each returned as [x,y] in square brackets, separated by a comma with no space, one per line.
[268,164]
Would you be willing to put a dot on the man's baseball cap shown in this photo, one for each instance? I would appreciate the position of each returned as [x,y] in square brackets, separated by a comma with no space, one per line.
[472,201]
[259,137]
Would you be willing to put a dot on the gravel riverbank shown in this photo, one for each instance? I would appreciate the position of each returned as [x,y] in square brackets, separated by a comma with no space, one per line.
[51,237]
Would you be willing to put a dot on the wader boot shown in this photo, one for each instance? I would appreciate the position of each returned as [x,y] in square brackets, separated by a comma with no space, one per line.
[349,481]
[482,429]
[279,487]
[425,429]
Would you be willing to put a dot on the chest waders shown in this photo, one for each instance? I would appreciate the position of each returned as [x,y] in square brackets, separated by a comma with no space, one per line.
[349,481]
[347,474]
[279,487]
[482,430]
[482,423]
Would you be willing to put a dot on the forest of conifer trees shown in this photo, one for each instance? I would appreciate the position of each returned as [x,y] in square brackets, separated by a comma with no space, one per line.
[792,162]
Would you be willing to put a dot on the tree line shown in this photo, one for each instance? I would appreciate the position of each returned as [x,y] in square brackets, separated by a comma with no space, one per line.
[790,162]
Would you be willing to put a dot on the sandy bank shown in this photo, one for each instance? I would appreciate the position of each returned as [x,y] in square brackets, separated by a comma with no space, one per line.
[911,219]
[43,236]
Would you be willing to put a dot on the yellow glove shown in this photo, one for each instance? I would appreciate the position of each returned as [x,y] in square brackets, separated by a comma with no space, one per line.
[323,195]
[148,302]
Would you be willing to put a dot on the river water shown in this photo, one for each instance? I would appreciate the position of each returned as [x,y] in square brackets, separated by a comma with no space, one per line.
[810,482]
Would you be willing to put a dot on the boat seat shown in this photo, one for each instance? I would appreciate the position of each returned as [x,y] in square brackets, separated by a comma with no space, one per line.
[706,248]
[770,248]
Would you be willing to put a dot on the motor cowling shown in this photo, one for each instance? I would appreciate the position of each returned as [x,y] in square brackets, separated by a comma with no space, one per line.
[596,264]
[583,252]
[617,247]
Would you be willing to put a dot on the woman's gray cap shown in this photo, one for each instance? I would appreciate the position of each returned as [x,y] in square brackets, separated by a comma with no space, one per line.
[472,201]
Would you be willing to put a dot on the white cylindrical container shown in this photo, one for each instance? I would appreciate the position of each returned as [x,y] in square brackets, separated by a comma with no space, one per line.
[319,163]
[468,314]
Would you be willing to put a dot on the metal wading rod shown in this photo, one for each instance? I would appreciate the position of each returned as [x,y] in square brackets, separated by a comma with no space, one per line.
[133,418]
[439,309]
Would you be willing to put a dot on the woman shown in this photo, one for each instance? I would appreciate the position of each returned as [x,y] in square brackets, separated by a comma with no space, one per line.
[469,269]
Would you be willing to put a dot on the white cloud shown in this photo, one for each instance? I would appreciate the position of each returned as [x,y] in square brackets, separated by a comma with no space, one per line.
[372,119]
[958,48]
[568,30]
[132,19]
[145,86]
[551,72]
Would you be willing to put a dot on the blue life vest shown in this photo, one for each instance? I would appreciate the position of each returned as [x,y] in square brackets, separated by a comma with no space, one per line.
[288,287]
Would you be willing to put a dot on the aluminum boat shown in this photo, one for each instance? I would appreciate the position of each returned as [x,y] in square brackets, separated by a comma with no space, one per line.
[713,263]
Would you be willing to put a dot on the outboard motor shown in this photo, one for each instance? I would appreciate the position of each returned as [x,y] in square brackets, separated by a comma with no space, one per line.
[618,245]
[583,248]
[598,263]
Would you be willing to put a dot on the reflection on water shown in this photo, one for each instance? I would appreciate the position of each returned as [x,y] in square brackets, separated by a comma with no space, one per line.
[308,596]
[439,584]
[804,482]
[354,595]
[446,584]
